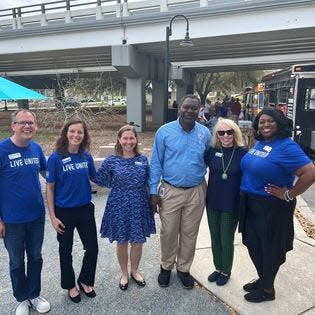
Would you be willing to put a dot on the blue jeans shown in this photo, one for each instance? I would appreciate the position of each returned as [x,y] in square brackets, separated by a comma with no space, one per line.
[20,238]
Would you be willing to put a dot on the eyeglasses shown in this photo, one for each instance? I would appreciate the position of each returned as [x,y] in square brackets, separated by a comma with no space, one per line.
[223,132]
[24,123]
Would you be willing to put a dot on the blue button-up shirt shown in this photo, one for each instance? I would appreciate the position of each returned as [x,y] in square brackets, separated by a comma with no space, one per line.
[178,156]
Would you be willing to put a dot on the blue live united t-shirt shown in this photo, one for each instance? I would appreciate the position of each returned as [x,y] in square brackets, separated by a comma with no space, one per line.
[271,162]
[20,194]
[71,175]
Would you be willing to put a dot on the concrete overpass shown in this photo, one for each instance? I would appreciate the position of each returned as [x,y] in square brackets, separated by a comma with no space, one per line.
[129,37]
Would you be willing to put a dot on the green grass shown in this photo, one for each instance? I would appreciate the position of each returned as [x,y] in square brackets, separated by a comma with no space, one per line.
[5,134]
[41,137]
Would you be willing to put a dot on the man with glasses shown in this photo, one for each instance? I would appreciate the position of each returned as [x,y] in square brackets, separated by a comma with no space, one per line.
[178,161]
[22,211]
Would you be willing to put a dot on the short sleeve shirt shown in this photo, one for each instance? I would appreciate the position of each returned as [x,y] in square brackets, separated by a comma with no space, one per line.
[20,194]
[271,163]
[71,175]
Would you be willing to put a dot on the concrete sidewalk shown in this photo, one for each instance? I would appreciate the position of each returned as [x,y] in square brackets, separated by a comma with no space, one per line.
[295,283]
[149,300]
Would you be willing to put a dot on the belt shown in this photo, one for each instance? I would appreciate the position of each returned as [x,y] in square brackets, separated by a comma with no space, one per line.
[180,187]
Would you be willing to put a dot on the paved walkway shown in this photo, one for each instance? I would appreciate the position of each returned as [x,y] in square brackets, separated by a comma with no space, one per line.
[295,284]
[110,299]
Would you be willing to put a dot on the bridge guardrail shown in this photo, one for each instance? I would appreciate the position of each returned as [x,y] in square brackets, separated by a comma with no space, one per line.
[67,11]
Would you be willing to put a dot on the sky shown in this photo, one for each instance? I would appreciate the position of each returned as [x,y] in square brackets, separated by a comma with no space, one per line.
[5,4]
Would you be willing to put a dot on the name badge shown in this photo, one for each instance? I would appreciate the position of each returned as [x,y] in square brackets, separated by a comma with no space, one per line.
[267,148]
[218,154]
[66,160]
[138,163]
[14,156]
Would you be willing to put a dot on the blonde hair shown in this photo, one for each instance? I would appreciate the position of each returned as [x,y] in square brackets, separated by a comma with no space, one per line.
[237,135]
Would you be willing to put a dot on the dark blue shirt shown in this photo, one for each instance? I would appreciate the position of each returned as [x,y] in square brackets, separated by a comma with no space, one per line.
[223,195]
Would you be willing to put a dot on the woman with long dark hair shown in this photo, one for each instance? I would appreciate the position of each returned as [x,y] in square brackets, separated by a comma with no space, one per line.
[268,198]
[68,193]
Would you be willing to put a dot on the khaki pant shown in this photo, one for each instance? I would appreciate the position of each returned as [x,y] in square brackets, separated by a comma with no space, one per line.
[180,215]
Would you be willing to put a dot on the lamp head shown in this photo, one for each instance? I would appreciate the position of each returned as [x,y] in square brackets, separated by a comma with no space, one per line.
[187,41]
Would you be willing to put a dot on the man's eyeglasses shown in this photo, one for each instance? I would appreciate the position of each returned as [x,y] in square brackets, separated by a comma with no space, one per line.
[223,132]
[24,123]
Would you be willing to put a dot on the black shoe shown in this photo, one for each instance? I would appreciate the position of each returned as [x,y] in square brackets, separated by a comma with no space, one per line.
[186,279]
[91,294]
[259,295]
[214,276]
[124,286]
[164,277]
[140,283]
[223,279]
[252,286]
[75,299]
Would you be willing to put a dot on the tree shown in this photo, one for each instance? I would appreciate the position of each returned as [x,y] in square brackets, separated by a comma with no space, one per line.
[225,83]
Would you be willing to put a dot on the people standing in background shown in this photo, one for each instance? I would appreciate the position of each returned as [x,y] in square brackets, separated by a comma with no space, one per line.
[225,107]
[22,210]
[177,163]
[222,203]
[201,116]
[68,194]
[217,107]
[268,198]
[128,217]
[235,110]
[207,109]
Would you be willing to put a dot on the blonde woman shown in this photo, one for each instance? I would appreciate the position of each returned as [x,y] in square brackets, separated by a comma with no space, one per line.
[223,160]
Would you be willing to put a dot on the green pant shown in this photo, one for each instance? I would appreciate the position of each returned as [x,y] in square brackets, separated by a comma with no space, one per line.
[222,227]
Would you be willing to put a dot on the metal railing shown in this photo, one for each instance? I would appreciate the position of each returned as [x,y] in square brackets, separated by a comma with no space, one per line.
[67,11]
[54,6]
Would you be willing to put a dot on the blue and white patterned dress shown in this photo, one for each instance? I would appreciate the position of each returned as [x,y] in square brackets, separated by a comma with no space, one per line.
[128,216]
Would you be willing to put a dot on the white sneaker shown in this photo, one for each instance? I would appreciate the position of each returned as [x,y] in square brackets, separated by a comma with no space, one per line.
[40,305]
[23,308]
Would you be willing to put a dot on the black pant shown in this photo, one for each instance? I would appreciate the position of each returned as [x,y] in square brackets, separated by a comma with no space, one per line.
[82,218]
[268,234]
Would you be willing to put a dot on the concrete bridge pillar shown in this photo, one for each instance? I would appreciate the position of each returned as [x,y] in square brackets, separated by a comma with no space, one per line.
[157,102]
[135,67]
[184,82]
[180,91]
[135,103]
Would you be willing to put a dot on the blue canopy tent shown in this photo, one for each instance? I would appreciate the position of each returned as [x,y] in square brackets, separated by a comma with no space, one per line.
[13,91]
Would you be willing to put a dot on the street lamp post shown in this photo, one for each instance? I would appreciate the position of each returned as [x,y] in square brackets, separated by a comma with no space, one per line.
[185,42]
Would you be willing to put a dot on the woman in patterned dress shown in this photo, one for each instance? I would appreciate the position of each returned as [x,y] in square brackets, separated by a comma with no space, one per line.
[128,217]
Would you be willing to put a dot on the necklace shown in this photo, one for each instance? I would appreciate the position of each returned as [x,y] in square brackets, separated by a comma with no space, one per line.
[224,175]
